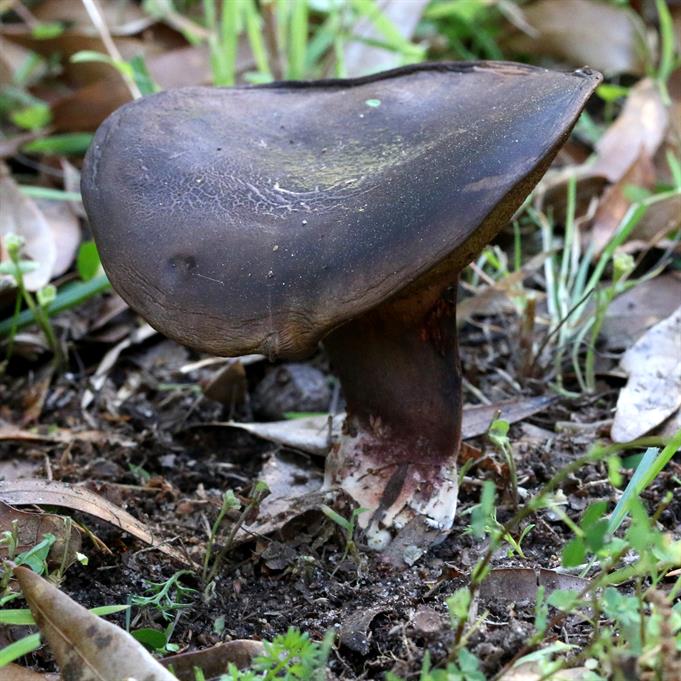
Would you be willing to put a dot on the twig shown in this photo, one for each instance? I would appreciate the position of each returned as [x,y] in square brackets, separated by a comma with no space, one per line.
[97,18]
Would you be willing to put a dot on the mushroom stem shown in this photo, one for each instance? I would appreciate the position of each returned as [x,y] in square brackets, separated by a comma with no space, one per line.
[399,369]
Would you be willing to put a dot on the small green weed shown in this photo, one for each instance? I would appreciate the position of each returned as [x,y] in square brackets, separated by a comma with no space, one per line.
[37,305]
[289,657]
[213,563]
[348,527]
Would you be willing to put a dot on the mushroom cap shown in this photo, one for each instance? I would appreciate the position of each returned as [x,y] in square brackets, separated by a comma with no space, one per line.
[257,219]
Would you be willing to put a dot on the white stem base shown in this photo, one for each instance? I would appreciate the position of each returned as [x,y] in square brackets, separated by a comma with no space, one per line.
[394,490]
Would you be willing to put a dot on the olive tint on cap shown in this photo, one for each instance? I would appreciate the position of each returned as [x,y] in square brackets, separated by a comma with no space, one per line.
[257,219]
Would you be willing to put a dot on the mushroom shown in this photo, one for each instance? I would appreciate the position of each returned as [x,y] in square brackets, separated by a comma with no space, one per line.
[270,218]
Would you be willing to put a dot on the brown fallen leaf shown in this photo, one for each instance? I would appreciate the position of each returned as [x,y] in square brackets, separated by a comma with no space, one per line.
[10,433]
[89,105]
[615,202]
[32,527]
[34,396]
[52,493]
[85,646]
[653,391]
[228,385]
[639,308]
[214,661]
[311,434]
[604,36]
[122,18]
[520,584]
[68,43]
[640,128]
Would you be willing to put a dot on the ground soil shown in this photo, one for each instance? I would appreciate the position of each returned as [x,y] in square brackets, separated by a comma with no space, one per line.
[173,477]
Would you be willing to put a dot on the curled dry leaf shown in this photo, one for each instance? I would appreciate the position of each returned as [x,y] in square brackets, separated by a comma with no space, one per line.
[653,391]
[85,646]
[598,34]
[32,527]
[215,660]
[51,493]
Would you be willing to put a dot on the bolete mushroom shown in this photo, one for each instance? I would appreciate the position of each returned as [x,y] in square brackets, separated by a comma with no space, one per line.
[270,218]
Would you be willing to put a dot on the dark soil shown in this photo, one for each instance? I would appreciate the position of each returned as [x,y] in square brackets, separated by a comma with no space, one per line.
[174,475]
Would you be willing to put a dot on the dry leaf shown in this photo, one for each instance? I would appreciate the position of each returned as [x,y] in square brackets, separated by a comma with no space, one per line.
[584,32]
[653,391]
[68,43]
[138,335]
[20,215]
[13,672]
[520,584]
[288,477]
[639,308]
[228,385]
[614,204]
[314,434]
[496,299]
[31,529]
[52,493]
[640,127]
[65,229]
[9,433]
[361,57]
[660,218]
[214,661]
[85,646]
[122,18]
[87,107]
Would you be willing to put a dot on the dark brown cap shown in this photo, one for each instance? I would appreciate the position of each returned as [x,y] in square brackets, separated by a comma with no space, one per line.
[257,219]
